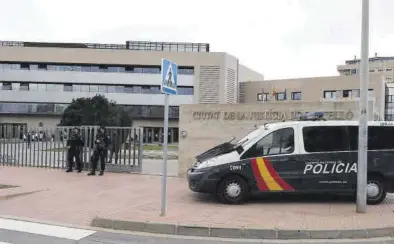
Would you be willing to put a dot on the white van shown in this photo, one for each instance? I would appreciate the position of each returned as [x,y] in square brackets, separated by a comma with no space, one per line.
[305,156]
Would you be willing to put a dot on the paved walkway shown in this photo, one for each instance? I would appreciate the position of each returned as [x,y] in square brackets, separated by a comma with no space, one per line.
[77,199]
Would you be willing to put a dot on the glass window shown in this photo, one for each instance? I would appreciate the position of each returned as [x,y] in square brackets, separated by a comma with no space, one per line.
[119,89]
[86,69]
[137,89]
[370,93]
[55,87]
[296,96]
[68,88]
[7,86]
[111,89]
[15,86]
[128,89]
[15,66]
[380,137]
[155,89]
[51,67]
[103,69]
[25,66]
[146,89]
[113,69]
[24,87]
[151,70]
[330,94]
[33,87]
[34,67]
[77,68]
[185,90]
[103,88]
[77,88]
[85,88]
[95,69]
[138,70]
[93,88]
[278,142]
[41,87]
[42,66]
[326,138]
[280,96]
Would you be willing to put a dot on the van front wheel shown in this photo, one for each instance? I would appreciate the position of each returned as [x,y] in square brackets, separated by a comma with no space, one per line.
[233,190]
[376,190]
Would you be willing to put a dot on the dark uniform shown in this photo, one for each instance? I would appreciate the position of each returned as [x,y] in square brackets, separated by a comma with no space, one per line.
[116,142]
[100,151]
[75,145]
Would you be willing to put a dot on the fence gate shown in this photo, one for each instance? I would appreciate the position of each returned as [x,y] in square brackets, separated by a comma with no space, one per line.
[40,147]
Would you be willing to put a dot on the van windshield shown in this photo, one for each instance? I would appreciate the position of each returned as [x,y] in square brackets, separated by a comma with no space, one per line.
[249,137]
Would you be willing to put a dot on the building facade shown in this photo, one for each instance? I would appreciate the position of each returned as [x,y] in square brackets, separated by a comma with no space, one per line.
[39,80]
[322,89]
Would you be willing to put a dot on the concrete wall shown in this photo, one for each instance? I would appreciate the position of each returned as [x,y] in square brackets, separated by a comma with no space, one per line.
[208,125]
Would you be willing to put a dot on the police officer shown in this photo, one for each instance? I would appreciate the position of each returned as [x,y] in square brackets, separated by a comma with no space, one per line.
[116,142]
[100,151]
[74,145]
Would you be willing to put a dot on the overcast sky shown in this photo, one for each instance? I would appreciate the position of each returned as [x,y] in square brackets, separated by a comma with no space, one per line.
[279,38]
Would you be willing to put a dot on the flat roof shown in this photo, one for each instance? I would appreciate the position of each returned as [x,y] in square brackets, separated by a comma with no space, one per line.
[130,45]
[374,59]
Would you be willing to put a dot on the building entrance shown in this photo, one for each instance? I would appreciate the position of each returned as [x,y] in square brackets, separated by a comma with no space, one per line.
[156,135]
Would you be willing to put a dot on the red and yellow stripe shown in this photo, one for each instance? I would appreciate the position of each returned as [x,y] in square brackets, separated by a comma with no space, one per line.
[266,176]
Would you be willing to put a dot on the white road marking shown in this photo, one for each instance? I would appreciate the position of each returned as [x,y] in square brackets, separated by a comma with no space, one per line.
[44,229]
[4,242]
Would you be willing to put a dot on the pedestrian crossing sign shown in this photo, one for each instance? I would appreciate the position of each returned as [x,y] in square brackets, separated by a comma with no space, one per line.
[169,77]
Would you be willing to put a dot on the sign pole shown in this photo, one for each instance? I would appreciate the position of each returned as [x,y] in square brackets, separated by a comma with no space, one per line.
[363,124]
[165,152]
[169,86]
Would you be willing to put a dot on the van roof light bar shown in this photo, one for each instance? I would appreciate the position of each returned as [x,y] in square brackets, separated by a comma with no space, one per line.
[315,116]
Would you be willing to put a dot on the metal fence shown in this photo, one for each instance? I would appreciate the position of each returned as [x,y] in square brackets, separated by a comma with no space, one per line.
[39,147]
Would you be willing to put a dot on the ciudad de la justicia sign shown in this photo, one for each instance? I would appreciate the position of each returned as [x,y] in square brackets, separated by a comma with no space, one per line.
[266,115]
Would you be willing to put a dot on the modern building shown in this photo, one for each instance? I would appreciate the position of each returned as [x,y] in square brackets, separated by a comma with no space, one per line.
[377,65]
[39,80]
[322,89]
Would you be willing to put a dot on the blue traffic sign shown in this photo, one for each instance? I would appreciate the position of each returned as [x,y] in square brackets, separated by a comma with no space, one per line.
[169,77]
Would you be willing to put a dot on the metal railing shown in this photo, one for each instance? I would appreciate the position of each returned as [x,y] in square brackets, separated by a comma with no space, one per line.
[40,147]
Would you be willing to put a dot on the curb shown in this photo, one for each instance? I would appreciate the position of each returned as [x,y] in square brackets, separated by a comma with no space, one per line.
[10,196]
[240,233]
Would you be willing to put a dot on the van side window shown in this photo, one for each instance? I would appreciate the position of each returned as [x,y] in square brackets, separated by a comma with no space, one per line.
[325,138]
[278,142]
[380,137]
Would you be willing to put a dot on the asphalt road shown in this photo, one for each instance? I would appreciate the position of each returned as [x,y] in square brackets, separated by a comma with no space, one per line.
[23,232]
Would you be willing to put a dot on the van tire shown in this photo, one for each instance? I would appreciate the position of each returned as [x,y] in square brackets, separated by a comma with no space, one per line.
[380,184]
[233,189]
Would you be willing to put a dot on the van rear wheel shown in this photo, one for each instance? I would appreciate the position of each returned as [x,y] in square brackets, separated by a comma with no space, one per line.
[233,190]
[376,190]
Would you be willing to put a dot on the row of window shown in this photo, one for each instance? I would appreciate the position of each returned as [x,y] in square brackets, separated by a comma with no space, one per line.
[351,93]
[69,87]
[278,96]
[130,45]
[322,139]
[92,68]
[136,111]
[355,71]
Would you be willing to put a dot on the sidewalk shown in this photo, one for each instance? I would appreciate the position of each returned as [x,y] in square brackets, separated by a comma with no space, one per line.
[77,199]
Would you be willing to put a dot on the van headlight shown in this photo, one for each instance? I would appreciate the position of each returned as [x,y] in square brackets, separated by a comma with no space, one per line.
[206,164]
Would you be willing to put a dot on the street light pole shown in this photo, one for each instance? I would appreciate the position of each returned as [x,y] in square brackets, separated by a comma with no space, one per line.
[363,123]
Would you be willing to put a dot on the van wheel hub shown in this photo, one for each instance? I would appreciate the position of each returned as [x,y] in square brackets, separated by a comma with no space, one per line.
[373,190]
[233,190]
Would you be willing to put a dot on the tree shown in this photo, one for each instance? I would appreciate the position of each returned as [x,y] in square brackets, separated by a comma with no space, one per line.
[96,110]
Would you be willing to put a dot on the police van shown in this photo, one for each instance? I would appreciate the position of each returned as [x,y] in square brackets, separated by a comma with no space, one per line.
[309,155]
